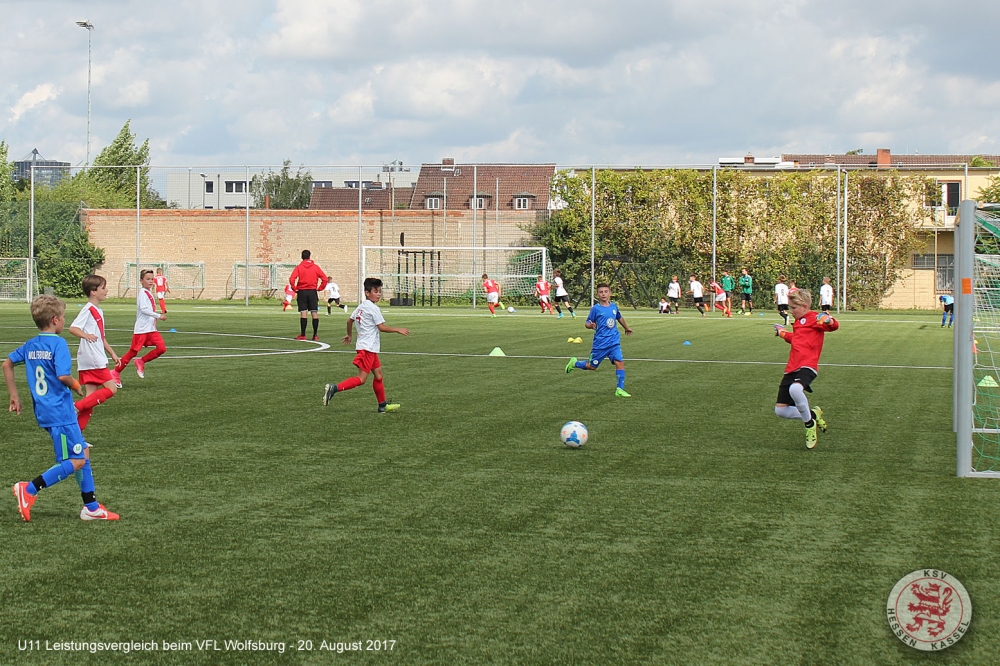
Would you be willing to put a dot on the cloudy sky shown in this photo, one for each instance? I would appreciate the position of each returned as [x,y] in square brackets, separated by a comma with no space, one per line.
[569,81]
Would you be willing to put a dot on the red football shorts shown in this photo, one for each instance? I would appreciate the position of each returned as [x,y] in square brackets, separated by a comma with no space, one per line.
[140,340]
[96,377]
[366,360]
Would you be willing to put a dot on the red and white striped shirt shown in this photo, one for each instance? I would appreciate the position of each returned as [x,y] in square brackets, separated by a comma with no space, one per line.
[145,312]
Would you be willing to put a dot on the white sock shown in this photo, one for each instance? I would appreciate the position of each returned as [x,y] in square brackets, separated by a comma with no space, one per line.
[801,402]
[788,412]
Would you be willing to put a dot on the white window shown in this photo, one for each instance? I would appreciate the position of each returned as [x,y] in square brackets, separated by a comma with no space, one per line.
[521,203]
[209,187]
[479,202]
[235,186]
[432,203]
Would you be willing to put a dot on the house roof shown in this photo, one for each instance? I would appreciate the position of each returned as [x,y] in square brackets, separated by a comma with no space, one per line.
[456,179]
[346,198]
[809,159]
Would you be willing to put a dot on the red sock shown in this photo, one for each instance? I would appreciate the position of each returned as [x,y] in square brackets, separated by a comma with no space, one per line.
[163,306]
[379,390]
[349,383]
[97,397]
[83,418]
[490,305]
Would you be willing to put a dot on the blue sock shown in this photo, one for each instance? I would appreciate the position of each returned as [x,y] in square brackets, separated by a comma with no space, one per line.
[57,473]
[621,378]
[85,477]
[944,318]
[581,364]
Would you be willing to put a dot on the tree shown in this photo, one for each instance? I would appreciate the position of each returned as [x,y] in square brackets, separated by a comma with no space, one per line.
[990,193]
[123,152]
[282,190]
[980,161]
[7,190]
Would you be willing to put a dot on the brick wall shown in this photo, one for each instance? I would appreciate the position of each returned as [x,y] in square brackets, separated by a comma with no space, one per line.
[218,238]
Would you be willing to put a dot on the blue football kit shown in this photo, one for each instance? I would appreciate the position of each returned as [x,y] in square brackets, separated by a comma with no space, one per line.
[607,339]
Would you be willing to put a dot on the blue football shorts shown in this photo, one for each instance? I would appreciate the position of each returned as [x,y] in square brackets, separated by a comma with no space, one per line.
[613,353]
[67,440]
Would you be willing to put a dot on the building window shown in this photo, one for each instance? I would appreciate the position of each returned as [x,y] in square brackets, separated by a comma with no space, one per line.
[945,278]
[479,202]
[238,186]
[923,261]
[521,203]
[209,187]
[432,203]
[950,193]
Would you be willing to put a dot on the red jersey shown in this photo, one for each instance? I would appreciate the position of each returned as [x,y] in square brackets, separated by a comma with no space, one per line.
[542,287]
[491,287]
[160,283]
[307,275]
[806,340]
[289,291]
[717,287]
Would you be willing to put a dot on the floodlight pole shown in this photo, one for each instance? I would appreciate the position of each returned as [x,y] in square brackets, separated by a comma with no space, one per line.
[31,235]
[475,218]
[90,29]
[714,217]
[246,282]
[361,268]
[593,228]
[838,240]
[138,208]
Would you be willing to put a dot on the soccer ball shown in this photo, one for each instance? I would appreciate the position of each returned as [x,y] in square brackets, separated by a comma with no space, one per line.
[511,309]
[574,434]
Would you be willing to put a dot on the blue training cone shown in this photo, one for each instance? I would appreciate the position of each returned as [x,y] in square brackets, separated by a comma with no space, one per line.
[687,343]
[173,330]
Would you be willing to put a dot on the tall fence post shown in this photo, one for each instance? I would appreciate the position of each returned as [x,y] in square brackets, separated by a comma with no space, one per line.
[847,181]
[246,282]
[714,217]
[965,301]
[31,236]
[361,268]
[475,218]
[138,209]
[593,228]
[838,240]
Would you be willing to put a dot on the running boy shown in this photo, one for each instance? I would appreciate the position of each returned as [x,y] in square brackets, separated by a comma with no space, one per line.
[826,295]
[162,289]
[492,289]
[781,297]
[333,296]
[806,339]
[48,364]
[720,296]
[562,296]
[144,333]
[370,323]
[542,288]
[697,293]
[603,319]
[289,295]
[674,293]
[746,293]
[92,357]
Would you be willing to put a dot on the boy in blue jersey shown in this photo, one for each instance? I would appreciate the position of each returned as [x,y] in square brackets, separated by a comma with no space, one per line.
[604,318]
[49,368]
[948,301]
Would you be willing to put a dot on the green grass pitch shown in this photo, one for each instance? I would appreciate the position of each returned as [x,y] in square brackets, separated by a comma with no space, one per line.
[693,528]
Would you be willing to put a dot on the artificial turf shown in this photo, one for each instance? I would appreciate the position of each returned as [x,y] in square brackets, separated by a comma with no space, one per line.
[693,528]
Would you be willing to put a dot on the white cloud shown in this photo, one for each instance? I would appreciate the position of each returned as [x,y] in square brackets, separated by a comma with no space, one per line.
[31,99]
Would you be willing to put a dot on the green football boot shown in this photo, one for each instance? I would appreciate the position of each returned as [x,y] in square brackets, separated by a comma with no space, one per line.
[818,417]
[571,365]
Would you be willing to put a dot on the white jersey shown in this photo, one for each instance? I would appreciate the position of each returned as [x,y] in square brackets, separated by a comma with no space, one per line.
[781,293]
[560,289]
[826,295]
[332,290]
[697,290]
[674,290]
[91,355]
[145,312]
[367,316]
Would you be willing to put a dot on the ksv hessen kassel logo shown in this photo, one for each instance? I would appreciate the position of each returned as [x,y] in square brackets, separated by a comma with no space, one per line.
[929,610]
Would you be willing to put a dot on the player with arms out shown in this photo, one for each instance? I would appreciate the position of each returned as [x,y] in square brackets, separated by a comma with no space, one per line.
[562,296]
[603,319]
[492,289]
[370,323]
[161,289]
[542,289]
[48,364]
[806,339]
[333,296]
[144,333]
[92,357]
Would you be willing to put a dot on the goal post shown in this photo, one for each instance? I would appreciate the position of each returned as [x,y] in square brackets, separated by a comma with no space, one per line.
[977,342]
[180,276]
[14,282]
[433,275]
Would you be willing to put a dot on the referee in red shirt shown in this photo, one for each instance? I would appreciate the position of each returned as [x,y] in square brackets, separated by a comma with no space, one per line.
[307,280]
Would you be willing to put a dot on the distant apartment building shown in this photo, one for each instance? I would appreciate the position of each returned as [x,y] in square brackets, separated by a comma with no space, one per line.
[47,173]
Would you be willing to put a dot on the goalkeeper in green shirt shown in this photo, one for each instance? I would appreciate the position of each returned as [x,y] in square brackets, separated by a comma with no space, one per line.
[728,286]
[746,293]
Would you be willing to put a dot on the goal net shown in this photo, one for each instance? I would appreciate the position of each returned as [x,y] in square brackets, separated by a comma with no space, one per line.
[261,279]
[433,275]
[14,279]
[182,279]
[977,342]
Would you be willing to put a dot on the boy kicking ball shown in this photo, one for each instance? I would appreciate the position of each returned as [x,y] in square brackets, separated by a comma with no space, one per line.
[806,339]
[370,323]
[603,319]
[48,363]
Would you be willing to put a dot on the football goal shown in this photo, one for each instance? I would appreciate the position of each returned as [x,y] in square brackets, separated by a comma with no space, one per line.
[977,341]
[14,282]
[187,279]
[262,279]
[436,275]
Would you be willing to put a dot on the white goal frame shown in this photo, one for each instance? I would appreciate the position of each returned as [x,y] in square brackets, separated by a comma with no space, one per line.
[474,275]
